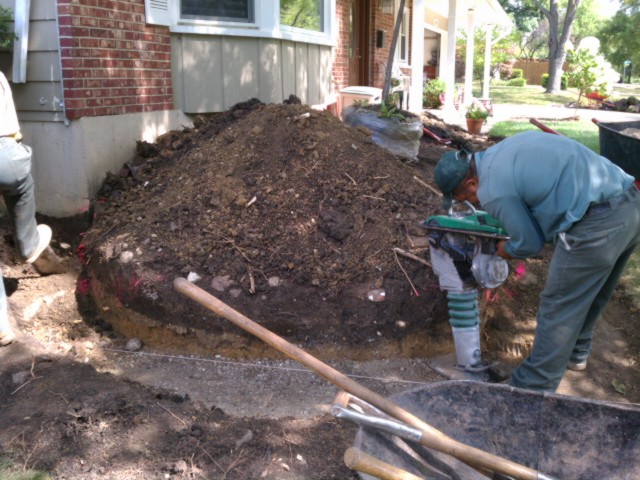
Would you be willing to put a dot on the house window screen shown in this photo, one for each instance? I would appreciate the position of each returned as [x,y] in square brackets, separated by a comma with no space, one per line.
[225,10]
[305,14]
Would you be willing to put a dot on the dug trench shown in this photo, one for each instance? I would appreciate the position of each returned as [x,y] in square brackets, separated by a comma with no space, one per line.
[291,218]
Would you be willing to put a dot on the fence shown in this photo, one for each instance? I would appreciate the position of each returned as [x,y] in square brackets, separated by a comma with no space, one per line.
[532,71]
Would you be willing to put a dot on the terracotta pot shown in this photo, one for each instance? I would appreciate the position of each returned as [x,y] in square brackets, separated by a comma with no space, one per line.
[474,125]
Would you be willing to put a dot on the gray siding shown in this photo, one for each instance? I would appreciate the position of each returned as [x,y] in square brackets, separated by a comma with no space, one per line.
[40,99]
[213,73]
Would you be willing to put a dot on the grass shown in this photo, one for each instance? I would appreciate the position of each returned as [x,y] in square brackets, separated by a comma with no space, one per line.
[582,131]
[535,94]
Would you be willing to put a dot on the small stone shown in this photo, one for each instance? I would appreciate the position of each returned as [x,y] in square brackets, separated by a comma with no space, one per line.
[65,246]
[20,377]
[235,292]
[274,281]
[133,345]
[221,283]
[126,256]
[193,277]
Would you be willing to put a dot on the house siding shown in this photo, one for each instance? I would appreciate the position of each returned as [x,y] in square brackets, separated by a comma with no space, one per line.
[112,61]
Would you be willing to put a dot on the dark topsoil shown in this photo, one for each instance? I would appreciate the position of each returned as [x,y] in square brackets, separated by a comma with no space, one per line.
[290,219]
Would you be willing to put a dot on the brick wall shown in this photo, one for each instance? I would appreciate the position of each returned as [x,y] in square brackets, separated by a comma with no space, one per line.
[378,57]
[341,52]
[112,62]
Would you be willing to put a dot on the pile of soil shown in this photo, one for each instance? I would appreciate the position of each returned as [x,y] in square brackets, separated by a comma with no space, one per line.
[69,405]
[284,213]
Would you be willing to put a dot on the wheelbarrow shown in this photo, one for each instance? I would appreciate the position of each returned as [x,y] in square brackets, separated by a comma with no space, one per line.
[566,437]
[410,416]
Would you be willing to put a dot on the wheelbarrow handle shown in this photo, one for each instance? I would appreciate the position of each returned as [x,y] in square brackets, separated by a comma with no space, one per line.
[542,126]
[431,437]
[362,462]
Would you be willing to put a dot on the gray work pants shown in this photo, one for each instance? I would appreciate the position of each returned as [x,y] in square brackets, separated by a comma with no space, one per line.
[16,186]
[583,273]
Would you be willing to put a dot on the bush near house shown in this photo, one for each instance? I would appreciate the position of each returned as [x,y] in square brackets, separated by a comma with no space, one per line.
[517,73]
[564,81]
[517,82]
[432,93]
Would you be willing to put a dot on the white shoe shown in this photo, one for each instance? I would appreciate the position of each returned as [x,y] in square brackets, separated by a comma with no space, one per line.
[44,238]
[6,338]
[577,366]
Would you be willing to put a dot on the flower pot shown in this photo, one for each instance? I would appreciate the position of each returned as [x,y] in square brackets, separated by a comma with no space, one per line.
[474,125]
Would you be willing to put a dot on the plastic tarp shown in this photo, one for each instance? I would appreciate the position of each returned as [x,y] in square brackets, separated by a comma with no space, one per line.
[402,138]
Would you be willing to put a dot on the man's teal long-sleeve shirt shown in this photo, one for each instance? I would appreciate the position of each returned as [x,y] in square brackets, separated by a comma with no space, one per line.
[539,184]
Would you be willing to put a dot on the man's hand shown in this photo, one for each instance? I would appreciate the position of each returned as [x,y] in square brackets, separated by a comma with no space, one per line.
[500,250]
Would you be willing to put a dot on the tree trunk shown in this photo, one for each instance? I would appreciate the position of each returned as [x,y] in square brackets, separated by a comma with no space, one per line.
[557,39]
[392,52]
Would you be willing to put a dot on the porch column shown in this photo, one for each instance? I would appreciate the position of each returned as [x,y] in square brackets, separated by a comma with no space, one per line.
[449,73]
[487,61]
[417,57]
[468,64]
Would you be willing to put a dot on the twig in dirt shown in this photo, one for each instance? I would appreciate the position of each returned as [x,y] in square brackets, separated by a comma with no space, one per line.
[427,185]
[405,273]
[59,395]
[25,384]
[412,256]
[251,202]
[210,457]
[172,414]
[252,282]
[228,240]
[375,198]
[354,182]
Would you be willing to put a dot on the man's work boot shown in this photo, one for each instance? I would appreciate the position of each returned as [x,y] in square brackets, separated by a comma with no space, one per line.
[43,258]
[7,337]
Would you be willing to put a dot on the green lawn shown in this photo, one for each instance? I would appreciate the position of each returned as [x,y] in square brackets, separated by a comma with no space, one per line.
[535,94]
[583,131]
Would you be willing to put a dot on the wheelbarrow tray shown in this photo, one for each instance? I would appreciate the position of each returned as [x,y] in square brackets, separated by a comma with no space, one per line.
[566,437]
[621,149]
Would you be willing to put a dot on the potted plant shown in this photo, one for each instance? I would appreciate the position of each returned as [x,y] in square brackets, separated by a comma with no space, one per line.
[476,116]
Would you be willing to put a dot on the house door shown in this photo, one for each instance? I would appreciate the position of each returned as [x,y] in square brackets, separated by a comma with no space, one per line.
[359,13]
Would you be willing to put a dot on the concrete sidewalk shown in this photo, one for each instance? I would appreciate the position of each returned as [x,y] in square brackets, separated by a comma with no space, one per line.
[502,112]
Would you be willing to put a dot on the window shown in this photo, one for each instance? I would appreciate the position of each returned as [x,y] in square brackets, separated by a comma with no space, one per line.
[303,14]
[402,48]
[224,10]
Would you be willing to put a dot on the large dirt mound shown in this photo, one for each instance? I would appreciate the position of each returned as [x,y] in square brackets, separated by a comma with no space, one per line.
[283,212]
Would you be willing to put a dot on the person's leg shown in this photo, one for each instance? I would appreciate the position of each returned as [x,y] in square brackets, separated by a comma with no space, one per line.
[580,281]
[582,349]
[17,188]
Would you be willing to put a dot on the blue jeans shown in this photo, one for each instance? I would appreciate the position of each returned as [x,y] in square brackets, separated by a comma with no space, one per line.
[16,186]
[585,268]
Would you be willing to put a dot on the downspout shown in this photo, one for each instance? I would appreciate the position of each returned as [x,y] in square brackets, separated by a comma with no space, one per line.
[21,44]
[62,102]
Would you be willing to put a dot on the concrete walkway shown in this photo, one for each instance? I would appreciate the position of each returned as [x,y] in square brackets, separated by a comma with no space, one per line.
[502,112]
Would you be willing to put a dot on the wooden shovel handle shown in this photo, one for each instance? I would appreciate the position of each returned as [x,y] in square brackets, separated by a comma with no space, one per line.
[357,460]
[431,437]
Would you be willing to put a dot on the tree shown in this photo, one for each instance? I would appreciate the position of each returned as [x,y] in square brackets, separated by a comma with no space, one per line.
[6,34]
[619,39]
[558,38]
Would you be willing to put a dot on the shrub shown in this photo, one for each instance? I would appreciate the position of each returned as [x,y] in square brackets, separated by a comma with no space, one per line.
[516,73]
[505,70]
[564,81]
[432,93]
[517,82]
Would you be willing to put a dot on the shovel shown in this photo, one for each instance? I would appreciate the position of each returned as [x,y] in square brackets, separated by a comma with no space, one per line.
[429,436]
